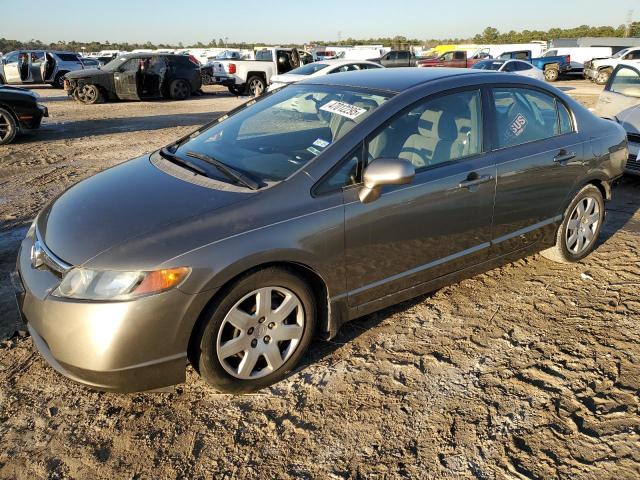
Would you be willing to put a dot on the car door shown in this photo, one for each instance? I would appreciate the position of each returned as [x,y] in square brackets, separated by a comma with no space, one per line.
[12,68]
[621,93]
[459,60]
[126,80]
[438,224]
[403,59]
[539,155]
[37,58]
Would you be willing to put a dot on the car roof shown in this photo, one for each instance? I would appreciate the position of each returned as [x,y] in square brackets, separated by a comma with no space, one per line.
[389,79]
[344,61]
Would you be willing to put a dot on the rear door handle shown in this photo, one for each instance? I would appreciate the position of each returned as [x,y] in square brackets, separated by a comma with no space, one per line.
[564,156]
[473,182]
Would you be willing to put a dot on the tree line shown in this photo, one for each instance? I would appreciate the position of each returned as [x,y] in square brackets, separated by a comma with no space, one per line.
[489,35]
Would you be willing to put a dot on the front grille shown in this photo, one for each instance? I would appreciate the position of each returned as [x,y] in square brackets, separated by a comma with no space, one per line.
[633,164]
[633,137]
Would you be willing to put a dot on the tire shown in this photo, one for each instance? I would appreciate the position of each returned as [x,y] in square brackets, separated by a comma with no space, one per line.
[58,82]
[603,76]
[245,365]
[179,89]
[8,127]
[88,94]
[567,250]
[2,82]
[551,74]
[256,86]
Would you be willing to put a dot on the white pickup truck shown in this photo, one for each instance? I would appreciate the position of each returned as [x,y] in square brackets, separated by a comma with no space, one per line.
[252,77]
[600,69]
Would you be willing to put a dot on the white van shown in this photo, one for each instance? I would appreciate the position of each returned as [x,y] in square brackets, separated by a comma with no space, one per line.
[580,55]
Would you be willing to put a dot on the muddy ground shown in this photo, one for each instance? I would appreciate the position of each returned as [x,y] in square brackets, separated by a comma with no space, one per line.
[528,371]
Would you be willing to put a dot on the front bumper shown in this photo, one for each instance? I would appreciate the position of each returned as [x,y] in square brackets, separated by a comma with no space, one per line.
[113,346]
[32,119]
[590,73]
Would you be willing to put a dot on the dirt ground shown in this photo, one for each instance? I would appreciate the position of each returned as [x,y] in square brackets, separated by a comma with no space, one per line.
[528,371]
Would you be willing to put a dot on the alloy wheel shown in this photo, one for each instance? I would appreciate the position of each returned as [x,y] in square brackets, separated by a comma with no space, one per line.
[256,87]
[260,332]
[583,225]
[180,90]
[5,126]
[87,94]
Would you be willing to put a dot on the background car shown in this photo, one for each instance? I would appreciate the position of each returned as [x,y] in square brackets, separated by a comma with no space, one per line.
[620,102]
[24,67]
[19,111]
[519,67]
[139,76]
[236,244]
[320,68]
[90,62]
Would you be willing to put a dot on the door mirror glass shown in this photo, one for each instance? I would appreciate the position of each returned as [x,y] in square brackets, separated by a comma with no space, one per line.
[385,171]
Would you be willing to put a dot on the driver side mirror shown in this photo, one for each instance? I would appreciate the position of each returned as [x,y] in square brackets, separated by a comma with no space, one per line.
[385,171]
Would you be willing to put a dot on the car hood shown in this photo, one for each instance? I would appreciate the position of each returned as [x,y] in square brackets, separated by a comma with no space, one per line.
[87,72]
[126,202]
[288,78]
[17,91]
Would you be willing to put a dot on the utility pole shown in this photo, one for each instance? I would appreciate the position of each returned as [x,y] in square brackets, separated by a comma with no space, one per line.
[627,30]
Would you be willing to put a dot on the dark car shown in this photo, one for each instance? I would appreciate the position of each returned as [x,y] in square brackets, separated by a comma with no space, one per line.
[19,111]
[136,77]
[316,204]
[397,58]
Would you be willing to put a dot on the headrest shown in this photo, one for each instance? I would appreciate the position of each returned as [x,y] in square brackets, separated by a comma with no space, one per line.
[428,123]
[448,129]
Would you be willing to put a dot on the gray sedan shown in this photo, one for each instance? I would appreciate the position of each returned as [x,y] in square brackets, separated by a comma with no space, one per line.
[320,203]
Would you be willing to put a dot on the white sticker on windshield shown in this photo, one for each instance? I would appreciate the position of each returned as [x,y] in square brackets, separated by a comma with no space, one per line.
[321,143]
[344,109]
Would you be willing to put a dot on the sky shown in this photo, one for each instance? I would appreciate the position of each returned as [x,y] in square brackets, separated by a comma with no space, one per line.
[289,21]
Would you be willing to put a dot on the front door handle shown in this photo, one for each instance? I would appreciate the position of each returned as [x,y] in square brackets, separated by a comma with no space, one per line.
[564,156]
[473,180]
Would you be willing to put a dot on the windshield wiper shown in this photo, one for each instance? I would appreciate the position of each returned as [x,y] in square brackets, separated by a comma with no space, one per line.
[180,161]
[227,170]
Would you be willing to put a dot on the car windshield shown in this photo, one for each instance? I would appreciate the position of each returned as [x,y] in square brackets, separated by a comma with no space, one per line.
[274,137]
[488,65]
[309,69]
[115,63]
[620,53]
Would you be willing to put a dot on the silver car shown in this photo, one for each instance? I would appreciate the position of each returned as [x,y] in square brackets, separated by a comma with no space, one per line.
[24,67]
[620,101]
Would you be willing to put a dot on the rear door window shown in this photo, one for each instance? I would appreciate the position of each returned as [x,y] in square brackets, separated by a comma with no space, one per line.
[525,115]
[67,57]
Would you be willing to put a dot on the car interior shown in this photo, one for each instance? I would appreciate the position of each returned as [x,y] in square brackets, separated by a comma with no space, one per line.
[436,131]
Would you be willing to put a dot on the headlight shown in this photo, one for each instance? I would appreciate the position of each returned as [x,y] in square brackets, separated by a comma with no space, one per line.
[32,229]
[84,284]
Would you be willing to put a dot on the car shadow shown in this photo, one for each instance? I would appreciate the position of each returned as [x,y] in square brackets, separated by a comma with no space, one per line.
[622,209]
[108,126]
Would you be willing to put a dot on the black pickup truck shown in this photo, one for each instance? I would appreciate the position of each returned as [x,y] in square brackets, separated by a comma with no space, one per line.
[397,58]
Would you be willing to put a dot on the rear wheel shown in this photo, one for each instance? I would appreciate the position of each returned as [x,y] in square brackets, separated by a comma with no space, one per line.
[58,82]
[551,74]
[257,333]
[87,94]
[603,76]
[256,86]
[577,235]
[8,127]
[179,90]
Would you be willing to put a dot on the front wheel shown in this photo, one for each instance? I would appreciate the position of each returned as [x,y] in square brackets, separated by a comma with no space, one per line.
[179,90]
[577,235]
[58,82]
[257,333]
[8,127]
[87,94]
[603,76]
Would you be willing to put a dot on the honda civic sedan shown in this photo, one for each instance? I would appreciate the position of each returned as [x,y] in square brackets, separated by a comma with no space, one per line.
[236,245]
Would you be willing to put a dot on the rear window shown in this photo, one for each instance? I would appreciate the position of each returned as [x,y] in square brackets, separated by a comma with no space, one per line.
[67,57]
